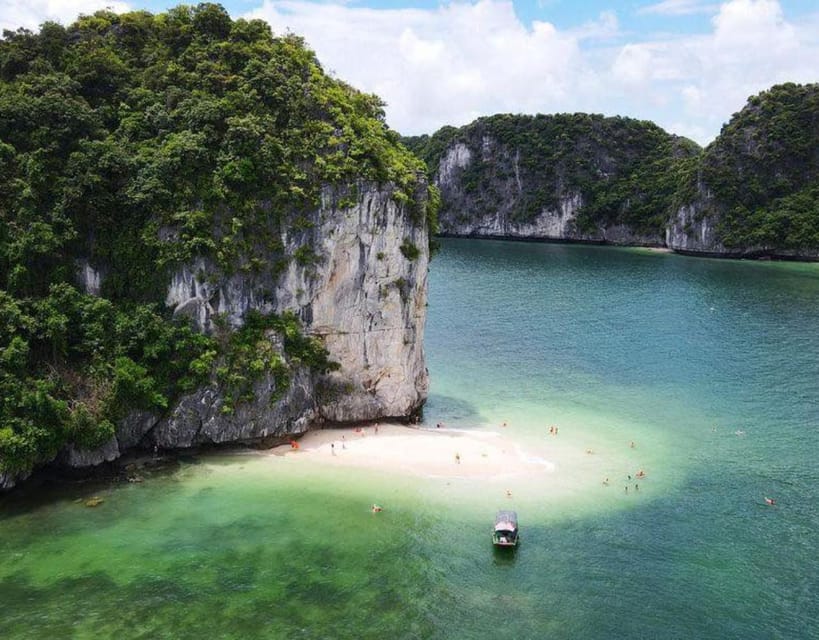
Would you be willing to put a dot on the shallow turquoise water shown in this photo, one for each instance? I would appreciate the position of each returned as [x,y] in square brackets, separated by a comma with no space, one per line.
[710,367]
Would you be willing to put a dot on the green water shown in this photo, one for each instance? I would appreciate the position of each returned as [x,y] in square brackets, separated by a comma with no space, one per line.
[710,367]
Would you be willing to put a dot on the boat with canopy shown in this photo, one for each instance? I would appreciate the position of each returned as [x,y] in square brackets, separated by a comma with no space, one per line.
[505,532]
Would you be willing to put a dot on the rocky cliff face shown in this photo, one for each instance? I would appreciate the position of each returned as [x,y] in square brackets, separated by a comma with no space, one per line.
[752,193]
[692,227]
[359,291]
[494,210]
[566,177]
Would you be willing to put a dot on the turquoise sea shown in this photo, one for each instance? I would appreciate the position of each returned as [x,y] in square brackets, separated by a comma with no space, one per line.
[709,367]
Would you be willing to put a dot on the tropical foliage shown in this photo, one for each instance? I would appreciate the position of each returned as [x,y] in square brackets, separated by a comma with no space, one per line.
[759,178]
[133,143]
[763,171]
[623,168]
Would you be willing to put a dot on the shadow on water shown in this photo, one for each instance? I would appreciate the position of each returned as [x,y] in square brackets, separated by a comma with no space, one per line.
[451,411]
[504,556]
[48,487]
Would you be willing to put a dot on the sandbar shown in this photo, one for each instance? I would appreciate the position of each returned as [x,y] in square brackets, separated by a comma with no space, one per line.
[438,452]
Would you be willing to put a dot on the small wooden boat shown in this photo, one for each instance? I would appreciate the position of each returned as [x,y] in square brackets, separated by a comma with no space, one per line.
[505,533]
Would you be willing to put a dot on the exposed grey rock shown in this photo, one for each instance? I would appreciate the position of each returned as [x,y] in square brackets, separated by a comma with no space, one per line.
[360,294]
[78,458]
[471,214]
[694,229]
[89,278]
[199,418]
[132,429]
[9,480]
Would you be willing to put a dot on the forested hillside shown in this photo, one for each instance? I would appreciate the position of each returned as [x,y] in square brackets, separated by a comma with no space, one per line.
[761,175]
[754,191]
[621,168]
[133,143]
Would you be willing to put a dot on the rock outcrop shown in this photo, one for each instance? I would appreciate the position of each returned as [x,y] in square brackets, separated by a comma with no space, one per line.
[752,193]
[257,196]
[566,177]
[359,292]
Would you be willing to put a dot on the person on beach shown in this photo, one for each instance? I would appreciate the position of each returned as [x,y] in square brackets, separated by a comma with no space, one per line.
[606,482]
[457,458]
[631,444]
[552,430]
[343,443]
[333,448]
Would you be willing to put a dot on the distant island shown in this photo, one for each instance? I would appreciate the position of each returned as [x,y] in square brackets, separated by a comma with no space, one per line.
[753,192]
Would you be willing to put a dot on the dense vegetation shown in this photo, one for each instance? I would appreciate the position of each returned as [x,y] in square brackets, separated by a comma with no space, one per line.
[763,171]
[135,142]
[621,166]
[759,179]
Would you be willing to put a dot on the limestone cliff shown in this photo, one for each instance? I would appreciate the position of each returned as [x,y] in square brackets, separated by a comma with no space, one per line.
[565,177]
[211,241]
[359,293]
[754,192]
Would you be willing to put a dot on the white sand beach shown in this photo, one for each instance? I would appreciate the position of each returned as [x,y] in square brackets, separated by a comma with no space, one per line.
[421,451]
[495,464]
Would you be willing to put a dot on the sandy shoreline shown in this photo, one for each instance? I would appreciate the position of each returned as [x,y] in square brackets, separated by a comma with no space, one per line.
[449,453]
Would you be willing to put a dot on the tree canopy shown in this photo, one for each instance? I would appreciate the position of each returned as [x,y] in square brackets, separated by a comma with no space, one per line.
[620,166]
[133,143]
[763,171]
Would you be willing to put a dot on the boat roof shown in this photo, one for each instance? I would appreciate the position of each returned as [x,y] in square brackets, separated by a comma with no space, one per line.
[506,520]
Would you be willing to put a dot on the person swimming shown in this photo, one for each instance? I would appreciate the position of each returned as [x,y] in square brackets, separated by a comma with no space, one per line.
[770,501]
[377,508]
